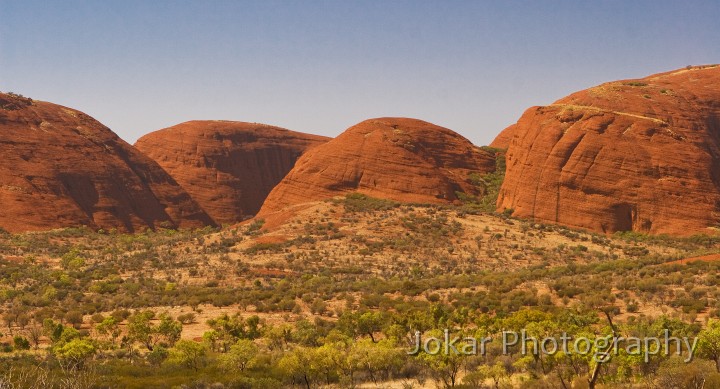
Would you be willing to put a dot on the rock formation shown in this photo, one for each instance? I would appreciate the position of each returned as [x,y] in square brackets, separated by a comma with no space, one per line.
[62,168]
[400,159]
[502,141]
[640,155]
[227,167]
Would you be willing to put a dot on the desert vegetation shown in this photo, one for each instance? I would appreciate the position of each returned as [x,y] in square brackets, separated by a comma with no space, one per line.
[334,296]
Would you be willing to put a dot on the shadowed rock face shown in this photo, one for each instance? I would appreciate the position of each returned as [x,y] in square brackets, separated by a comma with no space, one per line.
[640,155]
[227,167]
[62,168]
[400,159]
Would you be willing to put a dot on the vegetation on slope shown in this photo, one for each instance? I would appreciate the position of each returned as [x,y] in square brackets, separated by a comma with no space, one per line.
[334,296]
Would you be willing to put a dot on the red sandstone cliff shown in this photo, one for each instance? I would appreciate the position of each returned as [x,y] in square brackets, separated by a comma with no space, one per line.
[227,167]
[641,155]
[62,168]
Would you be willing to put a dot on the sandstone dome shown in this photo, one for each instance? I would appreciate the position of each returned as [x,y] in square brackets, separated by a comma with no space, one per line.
[633,155]
[401,159]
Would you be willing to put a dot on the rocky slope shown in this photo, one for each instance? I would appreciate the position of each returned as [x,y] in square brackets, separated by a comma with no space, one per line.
[62,168]
[640,155]
[227,167]
[400,159]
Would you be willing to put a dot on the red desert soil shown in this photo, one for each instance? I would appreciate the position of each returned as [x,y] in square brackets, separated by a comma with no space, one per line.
[703,258]
[400,159]
[62,168]
[265,239]
[640,155]
[227,167]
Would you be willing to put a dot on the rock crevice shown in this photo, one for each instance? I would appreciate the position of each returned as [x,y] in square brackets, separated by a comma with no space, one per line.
[227,167]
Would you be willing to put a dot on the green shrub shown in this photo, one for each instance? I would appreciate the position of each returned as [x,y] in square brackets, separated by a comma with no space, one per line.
[255,227]
[157,356]
[487,188]
[21,343]
[635,83]
[358,202]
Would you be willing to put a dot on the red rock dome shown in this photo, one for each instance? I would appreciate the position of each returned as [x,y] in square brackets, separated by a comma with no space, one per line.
[227,167]
[400,159]
[62,168]
[640,155]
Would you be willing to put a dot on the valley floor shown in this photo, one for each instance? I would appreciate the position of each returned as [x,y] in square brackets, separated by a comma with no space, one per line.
[332,294]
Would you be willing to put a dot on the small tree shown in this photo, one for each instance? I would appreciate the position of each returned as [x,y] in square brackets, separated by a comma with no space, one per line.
[444,367]
[35,332]
[369,323]
[75,318]
[379,359]
[110,328]
[298,366]
[496,373]
[75,352]
[21,343]
[157,356]
[709,342]
[168,330]
[189,354]
[141,329]
[241,356]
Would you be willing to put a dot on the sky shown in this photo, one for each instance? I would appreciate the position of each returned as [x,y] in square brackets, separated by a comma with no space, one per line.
[323,66]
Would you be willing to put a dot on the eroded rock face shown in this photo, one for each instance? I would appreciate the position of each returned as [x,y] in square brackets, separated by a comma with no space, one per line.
[400,159]
[62,168]
[227,167]
[640,155]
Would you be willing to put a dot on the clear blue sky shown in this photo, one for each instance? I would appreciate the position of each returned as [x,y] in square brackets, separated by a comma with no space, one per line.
[322,66]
